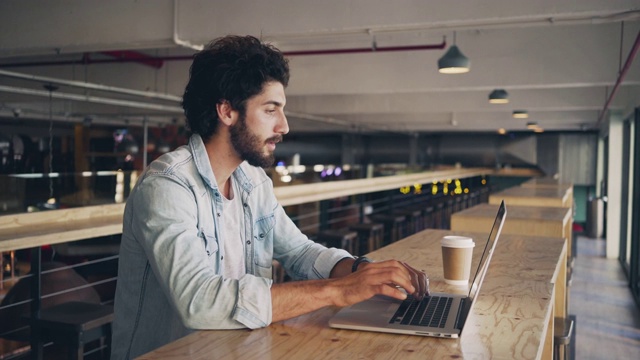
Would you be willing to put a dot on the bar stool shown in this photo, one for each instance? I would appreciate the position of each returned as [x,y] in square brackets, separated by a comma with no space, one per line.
[393,226]
[473,198]
[428,217]
[484,195]
[413,219]
[457,204]
[562,334]
[466,201]
[341,238]
[438,210]
[74,324]
[370,236]
[11,265]
[447,211]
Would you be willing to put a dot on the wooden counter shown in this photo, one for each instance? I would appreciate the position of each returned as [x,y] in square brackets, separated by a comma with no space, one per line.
[22,231]
[544,181]
[512,318]
[299,194]
[522,220]
[27,230]
[517,172]
[550,183]
[534,196]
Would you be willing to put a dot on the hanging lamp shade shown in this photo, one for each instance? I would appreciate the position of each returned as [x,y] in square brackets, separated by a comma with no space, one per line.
[520,114]
[499,96]
[453,62]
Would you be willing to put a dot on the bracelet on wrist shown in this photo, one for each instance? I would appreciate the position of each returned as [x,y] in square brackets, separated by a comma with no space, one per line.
[359,260]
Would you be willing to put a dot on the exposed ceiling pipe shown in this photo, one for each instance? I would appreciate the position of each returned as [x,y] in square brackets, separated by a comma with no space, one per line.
[65,117]
[621,75]
[440,46]
[90,86]
[334,121]
[570,18]
[93,99]
[136,56]
[86,60]
[146,106]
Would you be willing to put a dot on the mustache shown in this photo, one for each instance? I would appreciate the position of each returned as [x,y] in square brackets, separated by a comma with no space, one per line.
[275,139]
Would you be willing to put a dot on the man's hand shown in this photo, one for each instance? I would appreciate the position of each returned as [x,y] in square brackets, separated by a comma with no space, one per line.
[291,299]
[420,281]
[380,278]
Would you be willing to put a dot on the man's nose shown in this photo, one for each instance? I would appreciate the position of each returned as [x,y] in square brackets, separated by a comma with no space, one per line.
[283,125]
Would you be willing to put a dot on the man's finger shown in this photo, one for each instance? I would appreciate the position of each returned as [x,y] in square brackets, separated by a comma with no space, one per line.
[421,281]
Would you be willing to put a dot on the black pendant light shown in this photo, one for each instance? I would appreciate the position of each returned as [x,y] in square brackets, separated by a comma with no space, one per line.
[453,61]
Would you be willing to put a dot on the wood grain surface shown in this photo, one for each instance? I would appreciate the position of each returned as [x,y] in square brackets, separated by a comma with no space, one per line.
[22,231]
[533,196]
[299,194]
[529,220]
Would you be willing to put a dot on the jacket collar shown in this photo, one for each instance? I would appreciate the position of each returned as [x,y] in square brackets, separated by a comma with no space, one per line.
[201,160]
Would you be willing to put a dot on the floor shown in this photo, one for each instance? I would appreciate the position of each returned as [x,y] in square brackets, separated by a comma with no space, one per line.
[607,318]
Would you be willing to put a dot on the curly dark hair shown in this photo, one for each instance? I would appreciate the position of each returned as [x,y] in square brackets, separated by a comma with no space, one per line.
[232,68]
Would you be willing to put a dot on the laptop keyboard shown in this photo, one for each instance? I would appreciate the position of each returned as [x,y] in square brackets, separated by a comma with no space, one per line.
[432,311]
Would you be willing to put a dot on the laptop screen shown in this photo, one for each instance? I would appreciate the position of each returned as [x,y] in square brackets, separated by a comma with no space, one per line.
[488,251]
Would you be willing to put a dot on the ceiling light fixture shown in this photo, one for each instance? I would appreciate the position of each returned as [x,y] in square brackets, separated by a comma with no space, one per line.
[499,96]
[532,125]
[453,61]
[502,131]
[520,114]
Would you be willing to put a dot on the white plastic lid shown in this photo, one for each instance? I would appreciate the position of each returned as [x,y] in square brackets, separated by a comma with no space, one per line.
[457,241]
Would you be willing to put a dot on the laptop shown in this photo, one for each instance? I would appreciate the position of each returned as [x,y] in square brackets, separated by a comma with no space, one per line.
[439,315]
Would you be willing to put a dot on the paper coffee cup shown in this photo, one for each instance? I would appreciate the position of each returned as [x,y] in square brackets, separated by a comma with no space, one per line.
[457,253]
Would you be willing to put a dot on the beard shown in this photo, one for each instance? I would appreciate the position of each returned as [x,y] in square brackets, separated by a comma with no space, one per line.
[249,145]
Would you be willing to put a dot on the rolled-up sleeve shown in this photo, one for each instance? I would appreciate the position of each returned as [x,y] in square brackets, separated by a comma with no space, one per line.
[302,258]
[254,302]
[327,260]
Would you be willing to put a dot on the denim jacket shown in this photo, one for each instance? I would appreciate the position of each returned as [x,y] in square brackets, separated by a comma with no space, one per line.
[170,279]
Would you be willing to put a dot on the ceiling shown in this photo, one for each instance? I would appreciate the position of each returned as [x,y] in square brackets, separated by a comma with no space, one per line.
[558,60]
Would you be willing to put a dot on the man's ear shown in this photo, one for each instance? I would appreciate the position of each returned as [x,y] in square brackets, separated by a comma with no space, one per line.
[226,114]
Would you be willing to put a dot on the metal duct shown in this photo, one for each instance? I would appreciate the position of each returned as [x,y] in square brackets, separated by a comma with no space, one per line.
[158,60]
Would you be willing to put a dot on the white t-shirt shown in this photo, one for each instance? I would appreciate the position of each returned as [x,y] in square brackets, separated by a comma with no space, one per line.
[232,219]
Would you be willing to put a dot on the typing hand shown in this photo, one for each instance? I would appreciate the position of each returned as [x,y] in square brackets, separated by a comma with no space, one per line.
[391,278]
[420,282]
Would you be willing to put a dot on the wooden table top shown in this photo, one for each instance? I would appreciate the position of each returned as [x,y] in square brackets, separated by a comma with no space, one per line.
[517,212]
[23,231]
[541,181]
[485,213]
[535,196]
[510,318]
[303,193]
[540,184]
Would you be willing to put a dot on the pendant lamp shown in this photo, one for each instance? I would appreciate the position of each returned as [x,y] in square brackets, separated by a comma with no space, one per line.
[453,61]
[499,96]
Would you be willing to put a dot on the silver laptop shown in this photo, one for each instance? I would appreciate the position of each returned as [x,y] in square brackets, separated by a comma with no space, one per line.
[439,315]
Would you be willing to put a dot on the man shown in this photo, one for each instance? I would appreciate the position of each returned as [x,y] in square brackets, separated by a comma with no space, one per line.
[202,225]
